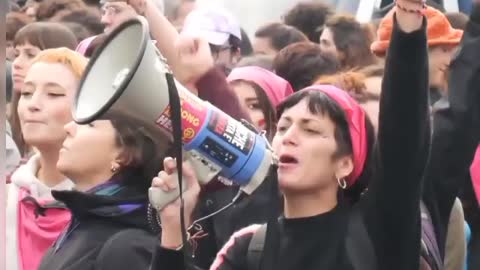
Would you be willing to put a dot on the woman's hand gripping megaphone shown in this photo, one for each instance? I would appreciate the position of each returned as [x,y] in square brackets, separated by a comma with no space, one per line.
[165,187]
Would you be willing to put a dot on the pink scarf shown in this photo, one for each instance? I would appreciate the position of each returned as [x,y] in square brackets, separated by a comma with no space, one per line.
[475,174]
[37,233]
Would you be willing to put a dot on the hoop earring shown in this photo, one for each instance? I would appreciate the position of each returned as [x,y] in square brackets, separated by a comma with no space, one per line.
[114,169]
[342,183]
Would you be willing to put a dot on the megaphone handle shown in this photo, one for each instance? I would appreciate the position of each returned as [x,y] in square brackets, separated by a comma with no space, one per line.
[159,198]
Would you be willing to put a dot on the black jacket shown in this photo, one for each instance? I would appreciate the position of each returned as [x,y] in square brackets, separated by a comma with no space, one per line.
[456,133]
[390,209]
[107,232]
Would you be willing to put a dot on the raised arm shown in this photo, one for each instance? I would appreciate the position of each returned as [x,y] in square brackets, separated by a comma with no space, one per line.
[392,204]
[196,67]
[456,131]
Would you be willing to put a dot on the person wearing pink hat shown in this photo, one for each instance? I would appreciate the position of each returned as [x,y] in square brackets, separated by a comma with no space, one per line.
[260,91]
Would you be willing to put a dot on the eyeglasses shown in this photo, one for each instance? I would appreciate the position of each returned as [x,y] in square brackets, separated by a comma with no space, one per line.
[215,49]
[111,10]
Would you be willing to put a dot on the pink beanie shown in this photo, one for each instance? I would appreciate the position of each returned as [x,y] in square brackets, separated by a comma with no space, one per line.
[84,44]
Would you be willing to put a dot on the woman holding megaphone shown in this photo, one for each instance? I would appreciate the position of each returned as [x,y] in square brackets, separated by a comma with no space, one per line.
[324,144]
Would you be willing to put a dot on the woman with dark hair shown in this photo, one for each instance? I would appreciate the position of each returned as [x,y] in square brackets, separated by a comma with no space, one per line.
[349,41]
[51,9]
[245,44]
[273,37]
[14,22]
[28,43]
[111,162]
[259,91]
[324,143]
[309,17]
[301,63]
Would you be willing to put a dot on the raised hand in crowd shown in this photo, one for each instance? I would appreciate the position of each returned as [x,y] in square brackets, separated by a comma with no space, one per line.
[139,6]
[409,16]
[194,59]
[170,215]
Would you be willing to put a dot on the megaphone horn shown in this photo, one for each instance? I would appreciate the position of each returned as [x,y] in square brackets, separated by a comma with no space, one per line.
[128,75]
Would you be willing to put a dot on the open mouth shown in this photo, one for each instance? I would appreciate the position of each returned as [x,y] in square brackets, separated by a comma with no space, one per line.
[288,159]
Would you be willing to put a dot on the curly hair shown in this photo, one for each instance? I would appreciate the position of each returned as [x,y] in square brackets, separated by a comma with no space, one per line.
[301,63]
[351,82]
[309,17]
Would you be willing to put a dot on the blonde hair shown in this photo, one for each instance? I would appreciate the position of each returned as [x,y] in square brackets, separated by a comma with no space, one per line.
[76,62]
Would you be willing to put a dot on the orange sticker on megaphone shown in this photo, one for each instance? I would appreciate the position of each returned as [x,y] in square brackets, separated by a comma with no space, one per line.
[193,114]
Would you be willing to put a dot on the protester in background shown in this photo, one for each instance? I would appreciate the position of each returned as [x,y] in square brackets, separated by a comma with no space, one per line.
[272,37]
[301,63]
[218,27]
[34,218]
[454,137]
[442,43]
[12,155]
[30,41]
[309,17]
[51,9]
[8,88]
[222,32]
[355,83]
[14,22]
[30,8]
[458,20]
[116,12]
[180,13]
[260,91]
[246,48]
[263,61]
[349,41]
[90,45]
[85,17]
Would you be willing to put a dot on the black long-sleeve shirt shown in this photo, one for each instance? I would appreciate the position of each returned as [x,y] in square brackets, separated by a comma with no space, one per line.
[456,132]
[390,209]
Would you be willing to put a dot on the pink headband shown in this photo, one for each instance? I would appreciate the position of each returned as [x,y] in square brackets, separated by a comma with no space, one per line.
[475,174]
[355,116]
[84,44]
[276,88]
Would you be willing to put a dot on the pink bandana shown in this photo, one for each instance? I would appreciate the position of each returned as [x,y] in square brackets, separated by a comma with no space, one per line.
[355,116]
[276,88]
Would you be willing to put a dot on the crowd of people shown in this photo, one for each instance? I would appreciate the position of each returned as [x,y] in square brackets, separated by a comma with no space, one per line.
[375,129]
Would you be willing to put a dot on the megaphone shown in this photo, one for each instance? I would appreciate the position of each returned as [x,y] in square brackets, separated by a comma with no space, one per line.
[128,75]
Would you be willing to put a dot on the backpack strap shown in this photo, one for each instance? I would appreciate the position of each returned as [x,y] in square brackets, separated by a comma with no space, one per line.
[358,244]
[255,248]
[429,240]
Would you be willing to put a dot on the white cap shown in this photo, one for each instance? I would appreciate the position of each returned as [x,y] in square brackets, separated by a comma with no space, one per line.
[213,24]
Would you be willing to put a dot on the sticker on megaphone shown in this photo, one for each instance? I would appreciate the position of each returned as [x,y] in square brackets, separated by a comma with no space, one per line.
[217,145]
